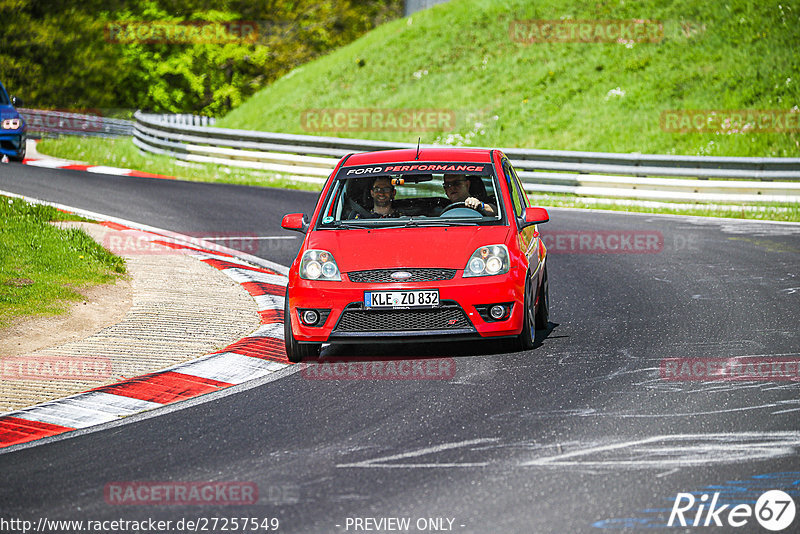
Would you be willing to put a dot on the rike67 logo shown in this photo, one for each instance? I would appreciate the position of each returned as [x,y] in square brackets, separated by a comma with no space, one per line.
[774,510]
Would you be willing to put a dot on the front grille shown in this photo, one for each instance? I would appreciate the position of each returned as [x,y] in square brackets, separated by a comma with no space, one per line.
[449,317]
[10,144]
[385,275]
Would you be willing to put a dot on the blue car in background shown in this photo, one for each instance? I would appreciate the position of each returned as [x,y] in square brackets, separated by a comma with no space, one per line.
[13,131]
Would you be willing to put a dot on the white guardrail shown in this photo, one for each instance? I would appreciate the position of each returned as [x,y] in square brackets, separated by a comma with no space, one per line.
[597,174]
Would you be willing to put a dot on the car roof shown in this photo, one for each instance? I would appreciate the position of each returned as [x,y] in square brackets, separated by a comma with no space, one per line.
[474,155]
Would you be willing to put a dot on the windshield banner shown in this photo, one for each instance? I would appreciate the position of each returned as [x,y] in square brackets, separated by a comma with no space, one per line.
[415,168]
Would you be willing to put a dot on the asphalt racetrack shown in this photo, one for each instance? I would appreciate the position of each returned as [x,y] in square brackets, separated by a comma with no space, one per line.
[599,427]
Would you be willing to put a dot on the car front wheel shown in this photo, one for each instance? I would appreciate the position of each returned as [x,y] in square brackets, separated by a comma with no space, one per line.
[296,352]
[19,156]
[528,334]
[543,304]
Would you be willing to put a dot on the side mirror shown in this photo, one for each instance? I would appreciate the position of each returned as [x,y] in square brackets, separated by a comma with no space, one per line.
[534,216]
[16,102]
[296,222]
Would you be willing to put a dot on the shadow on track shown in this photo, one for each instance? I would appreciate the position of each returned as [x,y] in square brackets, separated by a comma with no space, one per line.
[439,349]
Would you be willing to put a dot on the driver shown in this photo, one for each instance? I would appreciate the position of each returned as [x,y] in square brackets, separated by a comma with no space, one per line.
[456,187]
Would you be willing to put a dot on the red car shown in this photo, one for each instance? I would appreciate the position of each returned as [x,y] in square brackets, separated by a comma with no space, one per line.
[417,245]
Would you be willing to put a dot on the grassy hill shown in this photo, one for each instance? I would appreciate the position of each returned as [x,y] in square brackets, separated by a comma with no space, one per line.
[606,97]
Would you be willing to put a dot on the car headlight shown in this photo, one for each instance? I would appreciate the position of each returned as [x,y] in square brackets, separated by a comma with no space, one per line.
[11,124]
[488,261]
[319,265]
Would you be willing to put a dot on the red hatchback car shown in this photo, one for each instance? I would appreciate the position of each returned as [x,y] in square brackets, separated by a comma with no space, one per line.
[417,245]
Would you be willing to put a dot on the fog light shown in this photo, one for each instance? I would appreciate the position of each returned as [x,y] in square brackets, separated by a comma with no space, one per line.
[310,317]
[497,312]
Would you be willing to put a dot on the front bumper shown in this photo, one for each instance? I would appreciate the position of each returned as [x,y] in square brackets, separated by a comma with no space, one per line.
[12,142]
[456,317]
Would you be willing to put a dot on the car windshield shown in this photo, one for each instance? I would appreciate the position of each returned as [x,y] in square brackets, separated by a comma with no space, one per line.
[4,101]
[380,196]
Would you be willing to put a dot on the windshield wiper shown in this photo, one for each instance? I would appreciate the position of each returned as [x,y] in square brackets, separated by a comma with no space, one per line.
[410,223]
[349,226]
[439,222]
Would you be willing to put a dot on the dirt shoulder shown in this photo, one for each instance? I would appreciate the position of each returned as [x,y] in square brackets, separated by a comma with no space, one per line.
[172,308]
[102,305]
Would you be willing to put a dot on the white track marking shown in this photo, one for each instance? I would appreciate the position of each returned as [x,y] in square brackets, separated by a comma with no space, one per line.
[246,275]
[379,462]
[113,404]
[102,169]
[65,412]
[680,450]
[273,330]
[229,367]
[269,302]
[665,452]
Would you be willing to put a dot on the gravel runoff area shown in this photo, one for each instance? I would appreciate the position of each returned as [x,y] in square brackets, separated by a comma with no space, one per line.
[179,309]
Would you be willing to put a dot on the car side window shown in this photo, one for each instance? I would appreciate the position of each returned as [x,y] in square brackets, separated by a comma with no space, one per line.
[522,193]
[511,179]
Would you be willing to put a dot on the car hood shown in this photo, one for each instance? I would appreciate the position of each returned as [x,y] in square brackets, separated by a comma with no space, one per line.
[390,248]
[8,112]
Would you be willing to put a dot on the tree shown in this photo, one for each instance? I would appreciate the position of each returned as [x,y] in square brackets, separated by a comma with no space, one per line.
[62,54]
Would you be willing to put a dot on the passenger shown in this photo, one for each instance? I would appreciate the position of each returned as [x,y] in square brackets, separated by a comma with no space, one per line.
[382,192]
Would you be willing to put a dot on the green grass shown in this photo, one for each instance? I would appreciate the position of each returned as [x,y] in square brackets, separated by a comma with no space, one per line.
[459,56]
[41,266]
[121,152]
[767,212]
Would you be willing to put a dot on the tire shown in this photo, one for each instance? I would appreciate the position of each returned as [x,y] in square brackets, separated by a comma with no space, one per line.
[296,352]
[543,304]
[528,334]
[20,155]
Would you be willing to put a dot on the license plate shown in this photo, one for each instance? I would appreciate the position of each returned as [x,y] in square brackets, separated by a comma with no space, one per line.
[402,299]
